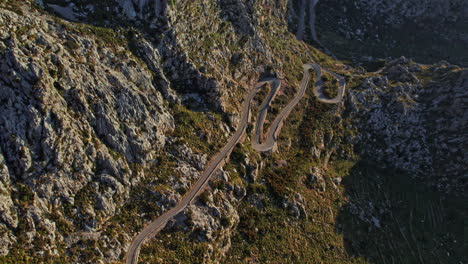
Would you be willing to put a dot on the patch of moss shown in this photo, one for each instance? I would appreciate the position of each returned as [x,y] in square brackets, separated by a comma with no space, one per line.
[195,128]
[173,247]
[12,5]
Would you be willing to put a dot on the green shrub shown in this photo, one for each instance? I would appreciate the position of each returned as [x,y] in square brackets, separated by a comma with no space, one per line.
[257,188]
[218,184]
[204,197]
[24,194]
[71,45]
[225,221]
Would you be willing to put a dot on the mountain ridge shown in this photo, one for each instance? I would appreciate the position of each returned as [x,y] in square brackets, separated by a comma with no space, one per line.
[107,122]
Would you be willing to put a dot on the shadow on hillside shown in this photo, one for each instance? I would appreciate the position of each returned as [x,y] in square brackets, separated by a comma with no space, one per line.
[294,9]
[425,41]
[391,218]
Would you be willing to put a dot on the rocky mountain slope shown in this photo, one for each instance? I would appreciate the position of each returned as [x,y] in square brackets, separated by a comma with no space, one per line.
[422,29]
[110,110]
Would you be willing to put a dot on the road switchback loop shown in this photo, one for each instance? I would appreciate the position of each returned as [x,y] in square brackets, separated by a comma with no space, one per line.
[267,146]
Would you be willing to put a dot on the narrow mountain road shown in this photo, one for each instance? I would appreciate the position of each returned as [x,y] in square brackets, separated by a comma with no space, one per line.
[216,162]
[220,158]
[277,124]
[301,25]
[313,32]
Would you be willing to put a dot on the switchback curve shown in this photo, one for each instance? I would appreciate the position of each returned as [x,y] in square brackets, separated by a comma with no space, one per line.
[220,158]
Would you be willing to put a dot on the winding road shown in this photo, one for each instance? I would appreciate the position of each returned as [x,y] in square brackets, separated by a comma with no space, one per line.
[268,145]
[221,157]
[313,32]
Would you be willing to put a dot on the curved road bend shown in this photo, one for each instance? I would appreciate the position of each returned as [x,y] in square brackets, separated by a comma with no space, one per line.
[217,161]
[277,124]
[220,158]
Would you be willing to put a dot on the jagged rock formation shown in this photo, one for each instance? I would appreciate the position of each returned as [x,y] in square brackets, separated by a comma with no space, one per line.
[84,116]
[103,129]
[75,117]
[413,125]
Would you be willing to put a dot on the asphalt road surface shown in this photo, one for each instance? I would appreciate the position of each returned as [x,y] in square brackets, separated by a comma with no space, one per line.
[220,158]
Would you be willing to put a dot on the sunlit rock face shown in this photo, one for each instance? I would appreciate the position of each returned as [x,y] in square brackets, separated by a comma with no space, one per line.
[91,145]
